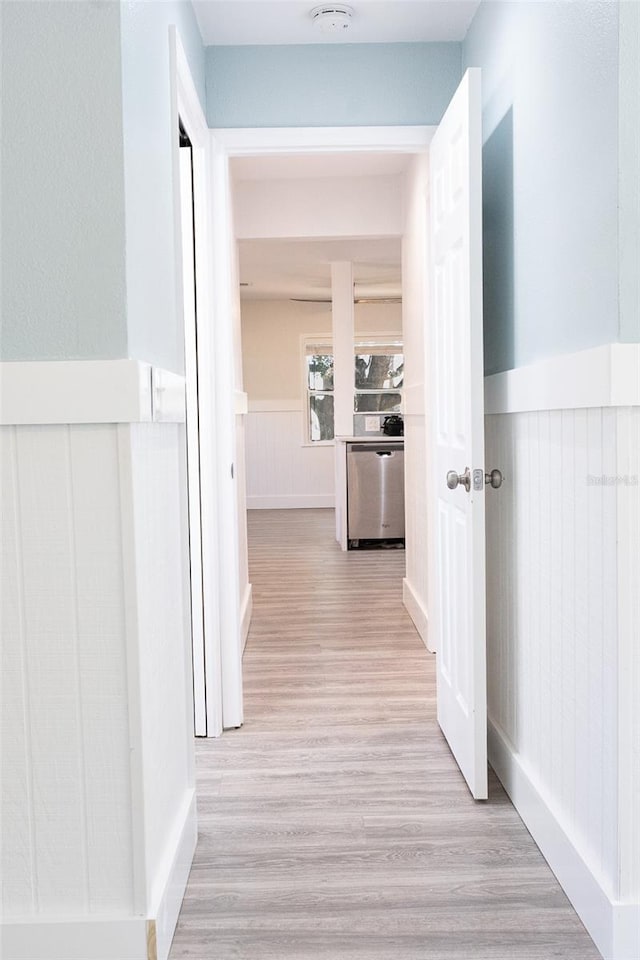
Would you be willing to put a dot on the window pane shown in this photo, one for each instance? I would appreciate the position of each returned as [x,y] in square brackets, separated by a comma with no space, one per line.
[321,416]
[377,403]
[383,371]
[320,371]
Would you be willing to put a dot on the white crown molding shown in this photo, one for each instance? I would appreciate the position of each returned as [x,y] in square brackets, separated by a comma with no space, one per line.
[606,376]
[88,391]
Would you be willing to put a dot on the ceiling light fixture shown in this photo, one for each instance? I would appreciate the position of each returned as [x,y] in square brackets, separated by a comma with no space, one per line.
[333,18]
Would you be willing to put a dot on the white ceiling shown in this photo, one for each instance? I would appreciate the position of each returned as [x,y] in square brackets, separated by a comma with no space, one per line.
[374,21]
[285,269]
[319,165]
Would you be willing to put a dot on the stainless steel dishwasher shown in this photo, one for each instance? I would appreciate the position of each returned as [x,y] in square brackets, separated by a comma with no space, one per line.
[375,491]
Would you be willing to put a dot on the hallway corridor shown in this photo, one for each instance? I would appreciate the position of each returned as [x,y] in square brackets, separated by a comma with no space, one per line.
[335,824]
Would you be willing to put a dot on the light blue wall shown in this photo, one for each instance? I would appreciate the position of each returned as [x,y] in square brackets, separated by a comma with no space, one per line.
[330,84]
[87,179]
[550,126]
[63,290]
[154,332]
[629,193]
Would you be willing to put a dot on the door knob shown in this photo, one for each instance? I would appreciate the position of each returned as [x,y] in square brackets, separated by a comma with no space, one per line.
[453,479]
[493,479]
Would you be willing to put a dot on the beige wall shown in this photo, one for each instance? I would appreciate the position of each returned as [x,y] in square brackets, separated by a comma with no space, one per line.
[271,332]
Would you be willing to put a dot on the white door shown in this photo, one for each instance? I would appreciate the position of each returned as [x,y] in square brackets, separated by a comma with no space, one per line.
[458,607]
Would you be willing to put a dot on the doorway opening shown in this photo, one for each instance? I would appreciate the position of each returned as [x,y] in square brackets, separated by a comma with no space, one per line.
[295,217]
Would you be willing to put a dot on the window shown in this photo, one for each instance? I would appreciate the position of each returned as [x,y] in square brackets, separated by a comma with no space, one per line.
[378,375]
[319,380]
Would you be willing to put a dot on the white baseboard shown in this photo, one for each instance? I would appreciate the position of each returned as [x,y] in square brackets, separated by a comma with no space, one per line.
[417,611]
[171,882]
[246,610]
[290,502]
[118,938]
[614,927]
[74,938]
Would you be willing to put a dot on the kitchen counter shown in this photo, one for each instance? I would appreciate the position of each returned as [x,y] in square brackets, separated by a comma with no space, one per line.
[372,439]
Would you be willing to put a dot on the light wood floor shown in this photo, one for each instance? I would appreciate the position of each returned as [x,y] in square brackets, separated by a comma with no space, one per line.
[335,824]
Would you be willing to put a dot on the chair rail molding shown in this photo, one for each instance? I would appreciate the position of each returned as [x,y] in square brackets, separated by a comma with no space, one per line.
[88,391]
[605,376]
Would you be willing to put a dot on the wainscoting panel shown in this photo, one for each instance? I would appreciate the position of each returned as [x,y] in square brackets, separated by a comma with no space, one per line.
[65,759]
[551,612]
[281,472]
[97,712]
[563,538]
[628,491]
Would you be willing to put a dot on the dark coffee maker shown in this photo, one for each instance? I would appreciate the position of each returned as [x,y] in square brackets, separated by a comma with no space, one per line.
[393,426]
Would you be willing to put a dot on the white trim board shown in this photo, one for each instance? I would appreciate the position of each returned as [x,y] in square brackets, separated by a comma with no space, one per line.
[241,401]
[246,611]
[168,396]
[290,502]
[614,927]
[606,376]
[88,391]
[246,141]
[185,104]
[75,938]
[417,611]
[173,876]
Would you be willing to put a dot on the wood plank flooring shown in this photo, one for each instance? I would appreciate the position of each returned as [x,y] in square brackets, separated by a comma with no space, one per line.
[335,824]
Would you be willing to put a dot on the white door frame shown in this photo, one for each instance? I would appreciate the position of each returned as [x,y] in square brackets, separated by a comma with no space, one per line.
[185,104]
[226,144]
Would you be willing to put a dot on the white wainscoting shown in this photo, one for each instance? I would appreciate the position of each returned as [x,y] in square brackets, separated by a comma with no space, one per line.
[563,537]
[281,472]
[97,735]
[67,833]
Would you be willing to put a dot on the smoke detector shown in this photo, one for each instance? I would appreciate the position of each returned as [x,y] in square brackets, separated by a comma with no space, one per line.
[334,18]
